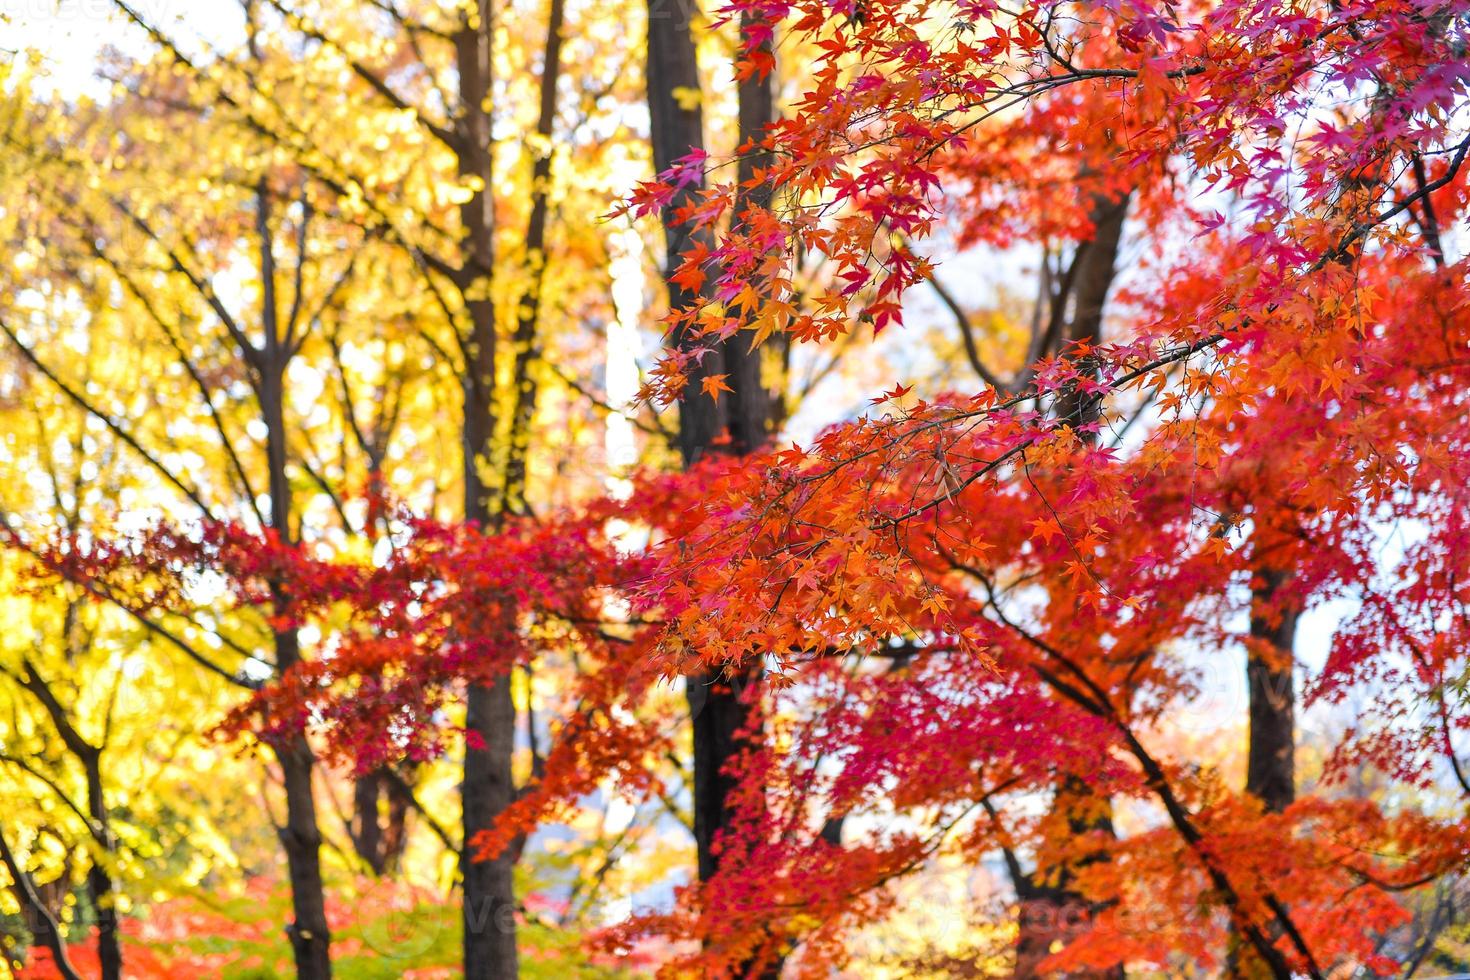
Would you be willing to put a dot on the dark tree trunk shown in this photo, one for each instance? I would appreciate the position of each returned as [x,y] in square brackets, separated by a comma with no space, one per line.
[379,832]
[735,422]
[752,406]
[677,129]
[528,316]
[99,881]
[1088,281]
[366,831]
[302,841]
[738,421]
[1271,754]
[1271,758]
[301,836]
[395,823]
[487,789]
[489,888]
[719,714]
[1055,911]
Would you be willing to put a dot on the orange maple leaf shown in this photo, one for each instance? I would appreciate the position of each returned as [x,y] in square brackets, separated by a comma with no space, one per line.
[714,384]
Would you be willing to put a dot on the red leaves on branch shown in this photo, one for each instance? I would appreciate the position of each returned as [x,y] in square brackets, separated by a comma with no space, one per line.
[1295,344]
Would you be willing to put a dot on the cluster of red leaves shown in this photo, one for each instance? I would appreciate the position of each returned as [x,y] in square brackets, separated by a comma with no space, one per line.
[1305,363]
[1299,111]
[448,606]
[444,605]
[1038,588]
[1301,407]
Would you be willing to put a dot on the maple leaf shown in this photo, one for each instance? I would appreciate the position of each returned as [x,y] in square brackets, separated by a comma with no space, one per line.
[892,394]
[1045,528]
[714,384]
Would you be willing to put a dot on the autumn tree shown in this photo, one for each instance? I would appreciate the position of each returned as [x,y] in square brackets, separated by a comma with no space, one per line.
[169,254]
[100,761]
[817,566]
[726,406]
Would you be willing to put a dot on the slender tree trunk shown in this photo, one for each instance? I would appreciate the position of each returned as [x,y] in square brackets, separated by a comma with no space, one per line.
[489,888]
[301,836]
[1055,911]
[676,129]
[1271,758]
[719,713]
[488,787]
[1088,281]
[395,824]
[529,312]
[379,833]
[302,841]
[366,831]
[738,421]
[99,879]
[752,407]
[379,842]
[1271,753]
